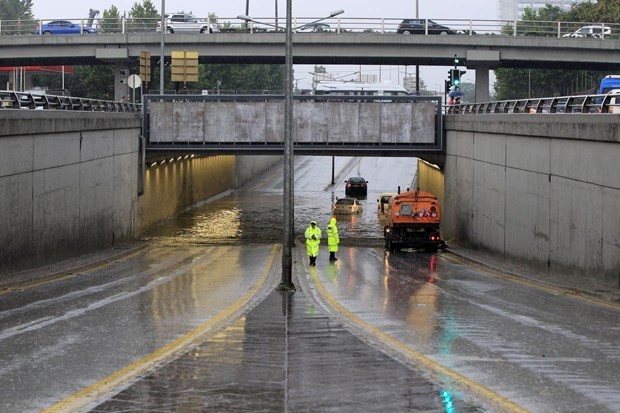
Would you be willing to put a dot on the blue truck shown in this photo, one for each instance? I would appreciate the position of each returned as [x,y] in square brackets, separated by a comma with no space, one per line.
[608,83]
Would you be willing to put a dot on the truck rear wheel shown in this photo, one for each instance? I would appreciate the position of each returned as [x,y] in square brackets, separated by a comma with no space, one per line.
[432,248]
[390,246]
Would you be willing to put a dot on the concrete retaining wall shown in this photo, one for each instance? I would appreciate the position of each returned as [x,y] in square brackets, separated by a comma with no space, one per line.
[431,179]
[73,191]
[67,192]
[172,188]
[540,188]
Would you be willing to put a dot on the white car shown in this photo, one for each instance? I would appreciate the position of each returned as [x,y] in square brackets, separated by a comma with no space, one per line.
[186,23]
[347,206]
[612,101]
[597,32]
[383,202]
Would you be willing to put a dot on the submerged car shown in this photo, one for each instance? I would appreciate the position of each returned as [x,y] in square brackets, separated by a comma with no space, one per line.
[383,202]
[356,186]
[418,26]
[347,206]
[64,27]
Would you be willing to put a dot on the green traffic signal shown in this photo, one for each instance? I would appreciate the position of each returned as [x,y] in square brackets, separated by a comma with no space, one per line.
[455,76]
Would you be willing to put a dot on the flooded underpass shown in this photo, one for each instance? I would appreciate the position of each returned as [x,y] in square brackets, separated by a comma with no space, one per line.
[408,331]
[254,213]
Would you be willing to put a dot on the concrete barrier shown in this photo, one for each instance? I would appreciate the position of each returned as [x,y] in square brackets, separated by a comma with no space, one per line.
[544,189]
[69,184]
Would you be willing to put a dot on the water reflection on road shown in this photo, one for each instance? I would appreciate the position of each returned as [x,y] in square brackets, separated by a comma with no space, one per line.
[254,214]
[500,334]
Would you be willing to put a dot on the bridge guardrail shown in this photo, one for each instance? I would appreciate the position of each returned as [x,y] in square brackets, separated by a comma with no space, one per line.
[336,25]
[24,100]
[564,104]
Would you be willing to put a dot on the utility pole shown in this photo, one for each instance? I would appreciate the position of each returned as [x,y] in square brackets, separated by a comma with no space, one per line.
[417,67]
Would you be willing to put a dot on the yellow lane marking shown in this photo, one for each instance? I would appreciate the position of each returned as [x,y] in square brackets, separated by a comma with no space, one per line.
[97,390]
[541,285]
[418,359]
[74,272]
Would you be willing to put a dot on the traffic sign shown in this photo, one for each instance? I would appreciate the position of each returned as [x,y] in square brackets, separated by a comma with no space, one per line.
[145,65]
[134,81]
[184,66]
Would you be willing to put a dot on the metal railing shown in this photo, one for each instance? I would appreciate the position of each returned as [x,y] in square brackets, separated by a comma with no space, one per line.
[564,104]
[334,25]
[24,100]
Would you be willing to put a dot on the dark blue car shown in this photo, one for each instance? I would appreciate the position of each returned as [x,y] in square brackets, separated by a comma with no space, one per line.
[63,27]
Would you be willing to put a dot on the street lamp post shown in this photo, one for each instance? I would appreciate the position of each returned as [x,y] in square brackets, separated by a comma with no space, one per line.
[287,242]
[161,47]
[417,67]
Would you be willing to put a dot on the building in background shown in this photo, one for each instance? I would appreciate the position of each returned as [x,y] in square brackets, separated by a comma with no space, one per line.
[508,8]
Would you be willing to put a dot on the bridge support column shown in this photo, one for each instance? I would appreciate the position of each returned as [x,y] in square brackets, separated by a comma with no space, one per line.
[482,61]
[121,90]
[482,84]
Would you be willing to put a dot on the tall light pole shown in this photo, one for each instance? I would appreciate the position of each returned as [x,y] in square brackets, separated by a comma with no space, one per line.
[417,67]
[161,47]
[288,222]
[288,219]
[286,283]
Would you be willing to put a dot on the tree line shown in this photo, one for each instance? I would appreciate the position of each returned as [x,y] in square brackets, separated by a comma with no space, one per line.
[524,83]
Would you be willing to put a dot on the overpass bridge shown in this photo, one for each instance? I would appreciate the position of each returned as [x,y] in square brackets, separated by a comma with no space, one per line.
[322,125]
[482,53]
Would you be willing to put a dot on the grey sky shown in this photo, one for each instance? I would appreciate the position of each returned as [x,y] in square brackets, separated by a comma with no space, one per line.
[229,9]
[432,9]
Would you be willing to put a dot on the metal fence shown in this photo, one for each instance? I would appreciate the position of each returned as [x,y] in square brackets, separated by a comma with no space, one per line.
[24,100]
[342,25]
[565,104]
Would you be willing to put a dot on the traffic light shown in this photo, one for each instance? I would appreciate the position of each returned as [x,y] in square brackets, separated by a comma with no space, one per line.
[457,61]
[145,66]
[450,79]
[455,77]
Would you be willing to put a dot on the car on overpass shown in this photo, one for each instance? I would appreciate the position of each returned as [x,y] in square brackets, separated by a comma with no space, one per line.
[418,26]
[187,23]
[314,27]
[63,27]
[597,32]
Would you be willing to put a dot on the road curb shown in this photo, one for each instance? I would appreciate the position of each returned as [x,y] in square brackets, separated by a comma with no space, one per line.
[66,269]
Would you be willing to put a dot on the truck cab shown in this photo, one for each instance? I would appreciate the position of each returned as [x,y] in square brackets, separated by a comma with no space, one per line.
[413,220]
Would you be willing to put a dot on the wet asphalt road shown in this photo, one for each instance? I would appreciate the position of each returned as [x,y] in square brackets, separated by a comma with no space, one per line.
[544,351]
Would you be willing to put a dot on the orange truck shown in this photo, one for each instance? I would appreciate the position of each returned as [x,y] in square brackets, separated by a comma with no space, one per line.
[413,222]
